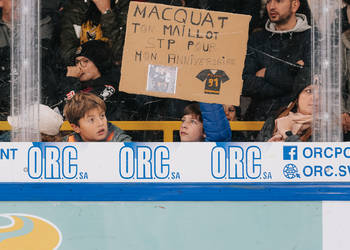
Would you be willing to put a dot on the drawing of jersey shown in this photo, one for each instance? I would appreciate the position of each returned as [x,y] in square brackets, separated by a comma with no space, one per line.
[212,80]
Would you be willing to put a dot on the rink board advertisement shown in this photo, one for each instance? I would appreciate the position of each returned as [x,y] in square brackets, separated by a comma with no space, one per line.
[49,180]
[174,162]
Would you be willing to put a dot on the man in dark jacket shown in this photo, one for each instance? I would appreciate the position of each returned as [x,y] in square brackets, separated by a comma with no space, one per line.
[274,57]
[85,20]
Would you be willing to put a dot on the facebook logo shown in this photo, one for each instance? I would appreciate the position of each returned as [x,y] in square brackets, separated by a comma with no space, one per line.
[290,153]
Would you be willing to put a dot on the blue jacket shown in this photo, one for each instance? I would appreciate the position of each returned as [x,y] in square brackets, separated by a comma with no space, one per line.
[215,124]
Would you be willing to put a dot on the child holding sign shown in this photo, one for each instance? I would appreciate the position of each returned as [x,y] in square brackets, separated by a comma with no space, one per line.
[205,122]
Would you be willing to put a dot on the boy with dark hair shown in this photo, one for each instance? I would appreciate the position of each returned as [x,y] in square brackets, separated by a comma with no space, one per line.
[191,129]
[86,115]
[205,122]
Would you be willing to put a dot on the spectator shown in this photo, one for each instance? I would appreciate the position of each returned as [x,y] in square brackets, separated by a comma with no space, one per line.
[303,9]
[86,115]
[50,122]
[5,40]
[346,70]
[274,57]
[230,112]
[345,15]
[294,123]
[93,72]
[233,113]
[204,122]
[85,20]
[191,129]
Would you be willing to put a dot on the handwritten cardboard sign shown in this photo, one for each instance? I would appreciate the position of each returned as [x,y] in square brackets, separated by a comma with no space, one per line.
[184,53]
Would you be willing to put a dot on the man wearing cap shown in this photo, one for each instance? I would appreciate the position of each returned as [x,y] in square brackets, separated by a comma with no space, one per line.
[274,57]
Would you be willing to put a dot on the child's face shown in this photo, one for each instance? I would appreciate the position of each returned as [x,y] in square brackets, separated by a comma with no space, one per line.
[89,71]
[230,112]
[191,129]
[93,126]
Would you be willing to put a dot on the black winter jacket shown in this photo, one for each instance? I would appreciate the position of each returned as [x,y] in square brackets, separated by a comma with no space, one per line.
[278,52]
[105,87]
[113,27]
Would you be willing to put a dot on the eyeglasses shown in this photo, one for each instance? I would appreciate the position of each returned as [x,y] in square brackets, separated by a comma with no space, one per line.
[83,62]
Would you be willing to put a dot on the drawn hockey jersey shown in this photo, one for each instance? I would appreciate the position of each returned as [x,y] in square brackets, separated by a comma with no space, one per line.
[212,80]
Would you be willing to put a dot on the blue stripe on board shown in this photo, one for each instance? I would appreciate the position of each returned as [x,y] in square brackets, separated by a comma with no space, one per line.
[174,192]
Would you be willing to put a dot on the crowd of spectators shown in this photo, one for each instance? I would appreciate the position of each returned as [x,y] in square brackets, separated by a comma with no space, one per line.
[81,52]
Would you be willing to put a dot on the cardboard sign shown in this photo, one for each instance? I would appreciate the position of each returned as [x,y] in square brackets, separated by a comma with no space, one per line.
[184,53]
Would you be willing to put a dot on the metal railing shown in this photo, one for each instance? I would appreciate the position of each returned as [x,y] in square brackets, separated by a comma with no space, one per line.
[168,127]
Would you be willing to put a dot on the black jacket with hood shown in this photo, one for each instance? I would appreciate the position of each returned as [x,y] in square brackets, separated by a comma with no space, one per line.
[278,52]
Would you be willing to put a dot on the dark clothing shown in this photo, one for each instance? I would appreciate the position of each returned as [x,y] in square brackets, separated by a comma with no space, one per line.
[115,134]
[346,72]
[159,109]
[105,87]
[168,2]
[238,136]
[5,86]
[113,27]
[344,20]
[278,52]
[247,7]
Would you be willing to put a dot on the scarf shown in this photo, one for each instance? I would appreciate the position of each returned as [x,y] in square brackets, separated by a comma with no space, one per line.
[297,123]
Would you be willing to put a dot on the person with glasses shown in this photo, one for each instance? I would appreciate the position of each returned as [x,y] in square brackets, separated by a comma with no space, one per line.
[95,72]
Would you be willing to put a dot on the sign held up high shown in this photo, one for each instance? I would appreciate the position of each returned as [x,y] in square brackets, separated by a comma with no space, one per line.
[184,53]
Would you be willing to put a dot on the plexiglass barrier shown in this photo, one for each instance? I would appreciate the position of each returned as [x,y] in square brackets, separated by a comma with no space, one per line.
[326,69]
[25,68]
